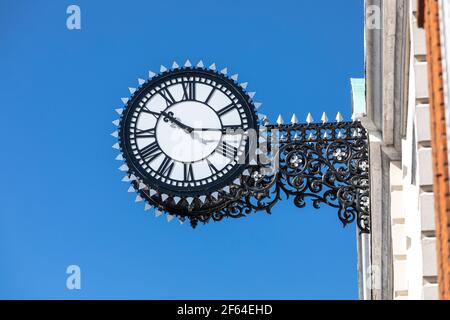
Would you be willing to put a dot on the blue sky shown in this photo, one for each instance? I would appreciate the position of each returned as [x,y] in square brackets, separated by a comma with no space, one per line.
[62,201]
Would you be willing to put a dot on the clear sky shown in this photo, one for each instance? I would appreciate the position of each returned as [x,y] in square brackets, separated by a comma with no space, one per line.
[62,201]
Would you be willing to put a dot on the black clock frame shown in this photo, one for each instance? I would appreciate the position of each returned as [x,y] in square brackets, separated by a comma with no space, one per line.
[134,167]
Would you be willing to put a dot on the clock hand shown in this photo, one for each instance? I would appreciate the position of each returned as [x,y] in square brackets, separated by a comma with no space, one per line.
[183,126]
[169,117]
[229,129]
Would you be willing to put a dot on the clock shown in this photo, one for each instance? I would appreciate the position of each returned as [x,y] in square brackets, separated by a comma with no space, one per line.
[185,135]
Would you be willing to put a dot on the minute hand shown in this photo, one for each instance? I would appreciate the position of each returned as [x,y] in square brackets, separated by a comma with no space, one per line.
[178,123]
[224,129]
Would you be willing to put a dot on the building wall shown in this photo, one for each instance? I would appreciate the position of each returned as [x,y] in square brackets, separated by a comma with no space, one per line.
[435,18]
[418,242]
[443,217]
[397,118]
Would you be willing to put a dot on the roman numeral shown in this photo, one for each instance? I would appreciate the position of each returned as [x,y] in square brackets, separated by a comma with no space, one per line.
[166,167]
[189,90]
[165,93]
[210,95]
[150,152]
[150,133]
[227,150]
[225,110]
[188,172]
[211,167]
[153,113]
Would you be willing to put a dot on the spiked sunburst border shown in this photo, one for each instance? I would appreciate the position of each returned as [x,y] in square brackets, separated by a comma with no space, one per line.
[144,191]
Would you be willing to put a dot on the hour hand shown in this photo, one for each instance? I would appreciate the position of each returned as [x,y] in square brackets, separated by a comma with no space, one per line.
[169,117]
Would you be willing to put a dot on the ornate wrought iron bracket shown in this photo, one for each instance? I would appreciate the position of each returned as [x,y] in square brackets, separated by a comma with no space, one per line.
[326,163]
[321,163]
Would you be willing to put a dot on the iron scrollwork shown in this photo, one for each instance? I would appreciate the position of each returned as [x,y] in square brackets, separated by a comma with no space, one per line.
[325,163]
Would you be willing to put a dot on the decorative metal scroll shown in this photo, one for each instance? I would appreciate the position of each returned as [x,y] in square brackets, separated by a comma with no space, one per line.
[325,164]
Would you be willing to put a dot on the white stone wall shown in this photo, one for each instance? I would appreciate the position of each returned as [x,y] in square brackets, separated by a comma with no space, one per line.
[411,179]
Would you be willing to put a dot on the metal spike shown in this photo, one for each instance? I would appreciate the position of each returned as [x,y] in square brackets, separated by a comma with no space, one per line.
[162,69]
[188,64]
[202,198]
[237,182]
[119,111]
[158,213]
[257,105]
[324,118]
[131,189]
[252,94]
[280,120]
[164,197]
[339,135]
[169,217]
[132,90]
[123,168]
[151,74]
[133,177]
[126,179]
[215,195]
[253,162]
[325,135]
[339,117]
[246,173]
[244,85]
[356,117]
[152,192]
[294,119]
[176,199]
[226,189]
[138,198]
[115,134]
[175,65]
[125,100]
[142,186]
[147,207]
[141,81]
[309,118]
[116,146]
[310,137]
[296,137]
[116,122]
[234,77]
[189,200]
[120,157]
[200,64]
[212,67]
[181,220]
[224,71]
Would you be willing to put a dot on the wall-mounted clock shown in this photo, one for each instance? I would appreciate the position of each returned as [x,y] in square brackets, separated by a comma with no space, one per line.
[193,147]
[184,137]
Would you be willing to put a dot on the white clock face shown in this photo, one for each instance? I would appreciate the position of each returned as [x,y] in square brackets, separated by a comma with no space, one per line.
[188,131]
